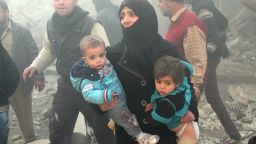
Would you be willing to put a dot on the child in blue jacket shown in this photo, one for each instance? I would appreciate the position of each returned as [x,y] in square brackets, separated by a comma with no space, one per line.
[172,97]
[95,78]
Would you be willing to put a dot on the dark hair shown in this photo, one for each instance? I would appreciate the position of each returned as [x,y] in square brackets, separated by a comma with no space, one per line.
[169,66]
[3,6]
[91,41]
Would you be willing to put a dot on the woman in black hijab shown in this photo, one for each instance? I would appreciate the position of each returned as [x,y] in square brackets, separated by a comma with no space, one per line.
[133,60]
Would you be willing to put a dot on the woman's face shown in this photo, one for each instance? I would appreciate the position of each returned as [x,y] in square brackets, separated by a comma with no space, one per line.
[128,17]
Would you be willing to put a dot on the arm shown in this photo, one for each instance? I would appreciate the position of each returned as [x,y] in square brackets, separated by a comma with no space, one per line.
[195,52]
[31,48]
[98,30]
[206,16]
[43,60]
[31,53]
[11,74]
[216,25]
[45,57]
[94,94]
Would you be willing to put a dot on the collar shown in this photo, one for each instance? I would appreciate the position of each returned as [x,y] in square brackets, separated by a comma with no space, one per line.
[178,14]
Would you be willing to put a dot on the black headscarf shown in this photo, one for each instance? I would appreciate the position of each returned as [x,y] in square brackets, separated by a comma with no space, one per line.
[65,23]
[142,39]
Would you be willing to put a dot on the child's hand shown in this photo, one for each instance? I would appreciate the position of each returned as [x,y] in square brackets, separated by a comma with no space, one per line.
[108,106]
[149,107]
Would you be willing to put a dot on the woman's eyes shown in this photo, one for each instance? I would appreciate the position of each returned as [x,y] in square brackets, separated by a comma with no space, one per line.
[129,14]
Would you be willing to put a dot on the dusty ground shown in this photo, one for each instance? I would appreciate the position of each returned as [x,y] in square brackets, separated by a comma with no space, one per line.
[237,81]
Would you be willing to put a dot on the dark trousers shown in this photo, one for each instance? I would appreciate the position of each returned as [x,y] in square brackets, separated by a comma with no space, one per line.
[65,107]
[214,99]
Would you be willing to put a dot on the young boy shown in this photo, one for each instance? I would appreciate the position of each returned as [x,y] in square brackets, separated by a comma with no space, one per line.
[94,76]
[172,97]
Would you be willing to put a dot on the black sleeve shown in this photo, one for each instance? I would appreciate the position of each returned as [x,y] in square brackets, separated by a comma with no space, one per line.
[11,75]
[207,17]
[216,23]
[220,19]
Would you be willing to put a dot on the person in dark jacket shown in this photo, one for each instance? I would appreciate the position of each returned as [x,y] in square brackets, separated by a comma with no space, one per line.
[107,15]
[133,60]
[9,79]
[20,45]
[216,25]
[93,76]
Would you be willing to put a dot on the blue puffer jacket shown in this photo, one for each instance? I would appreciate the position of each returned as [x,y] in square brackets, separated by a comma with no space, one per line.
[97,86]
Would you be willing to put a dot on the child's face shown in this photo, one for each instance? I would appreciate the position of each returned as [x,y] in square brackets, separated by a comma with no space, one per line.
[95,57]
[165,85]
